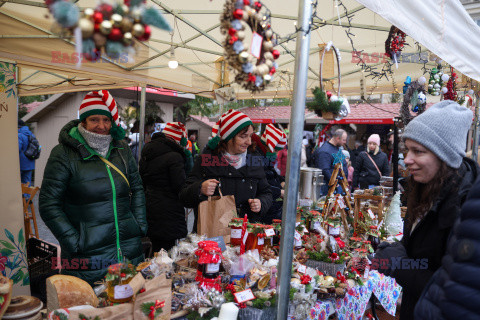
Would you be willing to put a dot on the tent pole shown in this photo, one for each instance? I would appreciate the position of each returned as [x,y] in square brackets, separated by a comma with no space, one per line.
[293,159]
[475,128]
[142,121]
[395,155]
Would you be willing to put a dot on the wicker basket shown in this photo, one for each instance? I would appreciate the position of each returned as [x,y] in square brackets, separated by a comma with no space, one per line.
[327,268]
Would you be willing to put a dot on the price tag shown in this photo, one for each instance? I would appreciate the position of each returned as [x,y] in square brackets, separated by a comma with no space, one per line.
[333,231]
[302,268]
[370,213]
[297,236]
[380,224]
[317,225]
[261,241]
[256,45]
[305,202]
[235,233]
[269,232]
[341,204]
[244,296]
[122,292]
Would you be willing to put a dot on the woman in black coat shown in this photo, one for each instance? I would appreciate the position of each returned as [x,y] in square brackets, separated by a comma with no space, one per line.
[230,162]
[440,179]
[162,168]
[454,290]
[366,173]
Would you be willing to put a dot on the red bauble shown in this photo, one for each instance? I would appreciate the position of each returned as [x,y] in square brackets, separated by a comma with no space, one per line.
[238,14]
[275,54]
[246,2]
[96,27]
[272,70]
[258,5]
[94,56]
[146,34]
[329,94]
[106,10]
[126,2]
[97,17]
[251,77]
[232,40]
[232,31]
[115,34]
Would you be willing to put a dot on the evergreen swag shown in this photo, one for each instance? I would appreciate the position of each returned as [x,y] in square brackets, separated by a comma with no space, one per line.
[147,309]
[321,104]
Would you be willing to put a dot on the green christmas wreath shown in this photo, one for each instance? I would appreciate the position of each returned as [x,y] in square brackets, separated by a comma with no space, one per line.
[322,104]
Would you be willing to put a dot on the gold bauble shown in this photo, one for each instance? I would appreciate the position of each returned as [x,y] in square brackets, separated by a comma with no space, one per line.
[138,30]
[86,25]
[244,25]
[268,34]
[267,78]
[255,70]
[125,9]
[88,13]
[243,57]
[116,20]
[267,45]
[240,35]
[137,15]
[99,39]
[126,25]
[268,56]
[263,69]
[127,38]
[269,63]
[105,27]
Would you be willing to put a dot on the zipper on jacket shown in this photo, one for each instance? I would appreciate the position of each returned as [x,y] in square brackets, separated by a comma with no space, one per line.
[114,193]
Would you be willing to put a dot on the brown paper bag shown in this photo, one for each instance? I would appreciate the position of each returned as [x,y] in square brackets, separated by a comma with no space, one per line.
[159,288]
[215,214]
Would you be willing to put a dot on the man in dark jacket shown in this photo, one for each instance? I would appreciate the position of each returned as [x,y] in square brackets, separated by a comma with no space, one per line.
[454,290]
[26,165]
[324,155]
[92,196]
[162,168]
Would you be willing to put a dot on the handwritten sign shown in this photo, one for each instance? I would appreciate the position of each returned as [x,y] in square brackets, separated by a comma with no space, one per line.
[302,268]
[220,241]
[370,213]
[341,204]
[256,45]
[244,296]
[269,232]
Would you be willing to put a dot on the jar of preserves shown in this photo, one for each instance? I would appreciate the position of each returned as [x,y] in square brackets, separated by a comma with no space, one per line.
[117,279]
[236,231]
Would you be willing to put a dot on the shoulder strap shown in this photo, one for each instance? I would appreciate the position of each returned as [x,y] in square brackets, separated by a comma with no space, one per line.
[115,168]
[379,173]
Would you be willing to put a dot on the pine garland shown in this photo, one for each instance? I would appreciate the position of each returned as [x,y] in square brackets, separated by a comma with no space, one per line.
[81,316]
[321,104]
[145,307]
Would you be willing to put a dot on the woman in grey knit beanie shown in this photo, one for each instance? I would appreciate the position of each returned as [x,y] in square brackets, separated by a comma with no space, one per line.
[440,178]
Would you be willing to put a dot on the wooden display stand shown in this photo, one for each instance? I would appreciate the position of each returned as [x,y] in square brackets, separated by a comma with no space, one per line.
[333,183]
[357,201]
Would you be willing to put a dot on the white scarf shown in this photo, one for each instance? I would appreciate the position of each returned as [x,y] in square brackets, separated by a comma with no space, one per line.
[98,142]
[236,160]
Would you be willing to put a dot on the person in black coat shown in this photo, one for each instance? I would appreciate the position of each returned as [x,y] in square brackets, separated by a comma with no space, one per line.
[366,173]
[272,139]
[440,180]
[230,163]
[454,290]
[162,168]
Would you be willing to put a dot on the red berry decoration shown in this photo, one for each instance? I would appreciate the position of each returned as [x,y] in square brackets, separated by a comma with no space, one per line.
[246,2]
[238,14]
[273,70]
[233,40]
[122,275]
[97,17]
[251,77]
[142,290]
[275,54]
[146,34]
[115,34]
[232,31]
[257,5]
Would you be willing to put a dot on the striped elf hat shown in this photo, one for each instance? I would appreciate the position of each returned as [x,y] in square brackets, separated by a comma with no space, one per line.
[229,125]
[101,102]
[274,138]
[176,131]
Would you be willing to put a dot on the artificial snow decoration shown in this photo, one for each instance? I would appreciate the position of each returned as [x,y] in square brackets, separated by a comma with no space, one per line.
[393,217]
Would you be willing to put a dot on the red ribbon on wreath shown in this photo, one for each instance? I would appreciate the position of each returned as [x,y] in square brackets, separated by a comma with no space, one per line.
[154,308]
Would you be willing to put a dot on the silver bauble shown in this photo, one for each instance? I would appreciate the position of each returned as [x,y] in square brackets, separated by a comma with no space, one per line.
[268,34]
[268,56]
[267,45]
[88,13]
[269,63]
[127,38]
[240,35]
[267,78]
[243,57]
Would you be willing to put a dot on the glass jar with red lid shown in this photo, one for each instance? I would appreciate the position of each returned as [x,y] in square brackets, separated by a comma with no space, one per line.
[256,237]
[236,231]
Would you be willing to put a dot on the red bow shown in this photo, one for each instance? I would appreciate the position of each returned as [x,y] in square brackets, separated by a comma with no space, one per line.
[153,308]
[341,277]
[340,243]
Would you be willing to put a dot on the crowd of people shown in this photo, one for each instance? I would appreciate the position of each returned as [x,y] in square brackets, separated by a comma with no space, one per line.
[99,203]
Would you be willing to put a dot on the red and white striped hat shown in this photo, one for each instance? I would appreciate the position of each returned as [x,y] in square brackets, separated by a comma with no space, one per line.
[176,131]
[274,138]
[229,124]
[99,102]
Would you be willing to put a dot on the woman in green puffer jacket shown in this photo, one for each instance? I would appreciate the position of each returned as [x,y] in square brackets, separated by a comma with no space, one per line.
[96,213]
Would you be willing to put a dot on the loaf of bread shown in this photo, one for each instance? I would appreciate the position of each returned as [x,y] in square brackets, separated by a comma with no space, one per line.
[68,291]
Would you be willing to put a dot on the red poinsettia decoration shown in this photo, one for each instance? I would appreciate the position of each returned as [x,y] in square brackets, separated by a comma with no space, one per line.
[333,257]
[341,277]
[3,261]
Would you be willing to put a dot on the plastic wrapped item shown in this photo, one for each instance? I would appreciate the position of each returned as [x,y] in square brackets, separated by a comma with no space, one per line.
[163,263]
[250,313]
